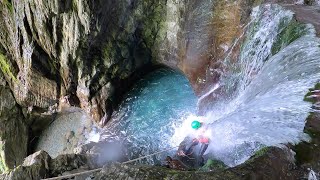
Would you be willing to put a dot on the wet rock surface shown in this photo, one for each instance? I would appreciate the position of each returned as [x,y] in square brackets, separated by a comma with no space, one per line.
[13,130]
[308,153]
[269,163]
[40,165]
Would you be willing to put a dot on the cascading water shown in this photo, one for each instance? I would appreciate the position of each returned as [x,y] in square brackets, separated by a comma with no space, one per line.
[262,106]
[265,106]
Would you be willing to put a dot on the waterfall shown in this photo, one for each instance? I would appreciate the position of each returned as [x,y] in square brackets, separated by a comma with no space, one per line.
[279,61]
[269,82]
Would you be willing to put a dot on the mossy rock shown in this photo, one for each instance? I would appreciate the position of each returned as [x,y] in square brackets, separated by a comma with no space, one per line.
[289,33]
[261,152]
[213,165]
[5,67]
[9,5]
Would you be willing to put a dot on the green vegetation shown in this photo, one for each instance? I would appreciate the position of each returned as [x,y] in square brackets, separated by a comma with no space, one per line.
[5,67]
[213,165]
[8,4]
[289,33]
[261,152]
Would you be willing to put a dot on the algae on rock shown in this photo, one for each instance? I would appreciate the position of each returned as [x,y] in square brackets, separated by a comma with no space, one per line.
[289,32]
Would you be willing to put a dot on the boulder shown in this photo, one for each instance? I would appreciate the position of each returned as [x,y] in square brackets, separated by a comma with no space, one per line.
[35,166]
[70,128]
[40,165]
[72,163]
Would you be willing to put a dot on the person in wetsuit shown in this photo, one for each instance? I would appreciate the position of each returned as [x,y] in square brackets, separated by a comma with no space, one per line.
[188,151]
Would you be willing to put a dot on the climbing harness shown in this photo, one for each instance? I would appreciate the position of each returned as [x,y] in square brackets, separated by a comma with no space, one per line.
[99,169]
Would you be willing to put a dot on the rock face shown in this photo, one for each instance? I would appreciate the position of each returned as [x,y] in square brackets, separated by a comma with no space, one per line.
[308,153]
[205,35]
[40,165]
[307,14]
[77,52]
[87,54]
[56,54]
[13,130]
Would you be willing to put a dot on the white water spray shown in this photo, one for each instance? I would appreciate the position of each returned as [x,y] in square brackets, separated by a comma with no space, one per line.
[266,108]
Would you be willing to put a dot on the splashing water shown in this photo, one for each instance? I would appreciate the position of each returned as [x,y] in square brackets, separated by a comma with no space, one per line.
[262,106]
[266,105]
[146,119]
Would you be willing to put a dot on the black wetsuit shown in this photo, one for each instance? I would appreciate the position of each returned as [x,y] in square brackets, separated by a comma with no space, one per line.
[194,154]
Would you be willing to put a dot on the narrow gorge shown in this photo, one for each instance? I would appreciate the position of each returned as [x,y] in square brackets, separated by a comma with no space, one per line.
[108,89]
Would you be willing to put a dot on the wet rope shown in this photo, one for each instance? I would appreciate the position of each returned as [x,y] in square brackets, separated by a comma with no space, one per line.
[99,169]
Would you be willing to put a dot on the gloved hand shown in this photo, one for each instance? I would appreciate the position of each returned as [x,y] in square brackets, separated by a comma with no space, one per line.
[181,153]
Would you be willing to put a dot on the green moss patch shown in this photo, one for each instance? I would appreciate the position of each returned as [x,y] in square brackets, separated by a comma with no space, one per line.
[8,4]
[5,67]
[261,152]
[213,165]
[288,33]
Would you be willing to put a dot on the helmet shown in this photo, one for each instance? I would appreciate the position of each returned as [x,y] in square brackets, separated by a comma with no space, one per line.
[195,124]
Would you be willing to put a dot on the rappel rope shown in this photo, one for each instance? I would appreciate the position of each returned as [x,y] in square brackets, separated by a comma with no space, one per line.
[99,169]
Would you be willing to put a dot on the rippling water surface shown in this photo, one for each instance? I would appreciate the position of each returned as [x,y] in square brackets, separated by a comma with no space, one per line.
[146,119]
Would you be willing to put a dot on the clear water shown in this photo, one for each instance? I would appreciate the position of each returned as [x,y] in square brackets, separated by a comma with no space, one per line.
[146,119]
[262,104]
